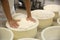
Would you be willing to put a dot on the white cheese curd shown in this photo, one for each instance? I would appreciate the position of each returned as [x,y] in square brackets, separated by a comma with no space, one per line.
[53,7]
[42,14]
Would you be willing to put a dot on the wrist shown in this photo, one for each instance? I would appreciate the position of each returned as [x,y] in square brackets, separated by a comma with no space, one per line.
[29,16]
[10,19]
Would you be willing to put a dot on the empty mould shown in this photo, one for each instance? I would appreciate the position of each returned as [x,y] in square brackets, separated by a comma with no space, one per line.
[51,33]
[6,34]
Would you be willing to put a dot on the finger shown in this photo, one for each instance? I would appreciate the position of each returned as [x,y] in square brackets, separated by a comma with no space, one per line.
[33,20]
[14,25]
[27,19]
[17,20]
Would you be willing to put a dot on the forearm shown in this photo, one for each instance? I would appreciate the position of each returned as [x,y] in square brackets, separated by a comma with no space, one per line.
[6,8]
[28,7]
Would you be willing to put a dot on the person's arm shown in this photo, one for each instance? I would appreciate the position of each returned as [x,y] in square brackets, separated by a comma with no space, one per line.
[6,8]
[28,9]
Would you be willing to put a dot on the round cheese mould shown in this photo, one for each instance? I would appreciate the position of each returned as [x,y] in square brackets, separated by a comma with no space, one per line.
[6,34]
[53,7]
[51,33]
[45,17]
[25,28]
[28,39]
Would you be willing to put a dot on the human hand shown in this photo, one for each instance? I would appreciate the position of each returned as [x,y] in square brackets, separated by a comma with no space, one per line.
[13,23]
[31,19]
